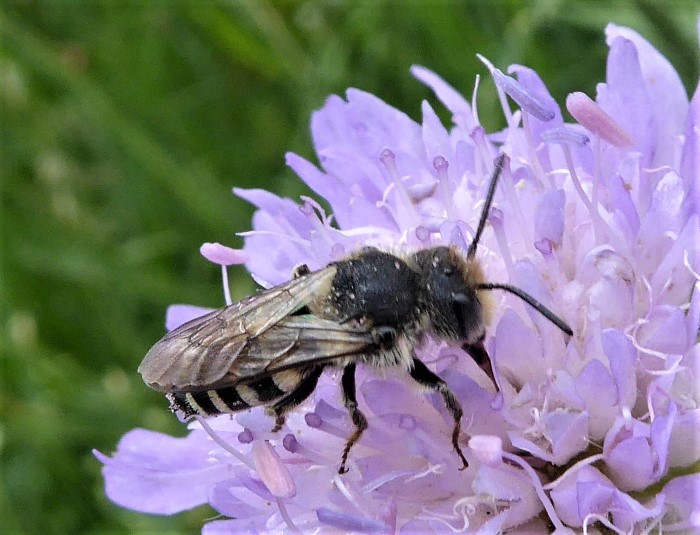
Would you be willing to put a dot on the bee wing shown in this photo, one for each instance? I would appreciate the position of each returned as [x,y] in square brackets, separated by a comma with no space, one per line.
[200,352]
[296,342]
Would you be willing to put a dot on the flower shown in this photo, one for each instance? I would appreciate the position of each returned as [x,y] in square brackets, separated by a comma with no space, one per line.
[597,219]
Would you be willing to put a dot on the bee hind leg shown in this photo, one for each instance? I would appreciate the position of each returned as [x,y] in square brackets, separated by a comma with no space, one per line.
[358,419]
[422,375]
[302,391]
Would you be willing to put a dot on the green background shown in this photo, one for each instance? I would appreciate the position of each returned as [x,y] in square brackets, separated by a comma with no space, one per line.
[123,127]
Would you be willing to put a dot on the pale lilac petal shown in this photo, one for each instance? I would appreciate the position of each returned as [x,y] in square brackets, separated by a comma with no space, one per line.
[452,100]
[623,359]
[568,433]
[592,486]
[507,483]
[690,158]
[625,98]
[599,393]
[631,463]
[327,186]
[232,499]
[229,527]
[682,507]
[665,330]
[667,211]
[159,474]
[667,96]
[531,81]
[435,137]
[621,199]
[684,443]
[549,217]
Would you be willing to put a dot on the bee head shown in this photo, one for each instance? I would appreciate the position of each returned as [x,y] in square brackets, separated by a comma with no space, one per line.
[455,308]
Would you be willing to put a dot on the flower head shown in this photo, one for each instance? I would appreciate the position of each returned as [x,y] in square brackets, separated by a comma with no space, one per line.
[598,220]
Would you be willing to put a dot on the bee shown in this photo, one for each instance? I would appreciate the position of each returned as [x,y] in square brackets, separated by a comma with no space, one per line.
[373,308]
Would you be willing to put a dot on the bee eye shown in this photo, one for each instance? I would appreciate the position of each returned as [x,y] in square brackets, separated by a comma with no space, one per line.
[448,271]
[461,308]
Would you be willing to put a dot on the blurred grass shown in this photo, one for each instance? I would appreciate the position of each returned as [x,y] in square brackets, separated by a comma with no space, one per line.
[124,126]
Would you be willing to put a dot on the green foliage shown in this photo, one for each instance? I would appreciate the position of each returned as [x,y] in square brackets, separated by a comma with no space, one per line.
[123,127]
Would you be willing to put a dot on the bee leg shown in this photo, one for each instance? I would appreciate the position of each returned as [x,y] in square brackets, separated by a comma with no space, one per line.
[428,379]
[279,422]
[302,391]
[358,419]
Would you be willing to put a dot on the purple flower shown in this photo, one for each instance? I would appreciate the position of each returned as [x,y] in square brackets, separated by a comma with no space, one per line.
[598,220]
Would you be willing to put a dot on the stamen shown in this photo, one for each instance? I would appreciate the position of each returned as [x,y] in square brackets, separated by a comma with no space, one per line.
[345,491]
[289,237]
[246,436]
[441,165]
[686,263]
[475,110]
[225,284]
[573,468]
[404,204]
[225,445]
[315,215]
[603,520]
[350,523]
[483,149]
[544,246]
[315,421]
[272,470]
[527,101]
[496,220]
[384,479]
[537,171]
[537,484]
[433,469]
[222,255]
[597,121]
[292,445]
[599,225]
[423,235]
[565,135]
[285,516]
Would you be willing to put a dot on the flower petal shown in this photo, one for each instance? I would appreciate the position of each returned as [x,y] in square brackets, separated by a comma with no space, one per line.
[155,473]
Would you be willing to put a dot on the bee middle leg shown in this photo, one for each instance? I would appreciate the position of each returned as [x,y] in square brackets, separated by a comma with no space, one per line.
[428,379]
[302,391]
[358,419]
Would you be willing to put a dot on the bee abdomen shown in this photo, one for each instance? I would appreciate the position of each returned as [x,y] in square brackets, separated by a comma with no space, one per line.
[264,391]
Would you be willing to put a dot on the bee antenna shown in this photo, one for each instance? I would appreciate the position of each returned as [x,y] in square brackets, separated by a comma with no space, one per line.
[471,252]
[534,303]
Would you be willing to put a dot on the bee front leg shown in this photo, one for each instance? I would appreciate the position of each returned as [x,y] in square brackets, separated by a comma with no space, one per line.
[428,379]
[358,419]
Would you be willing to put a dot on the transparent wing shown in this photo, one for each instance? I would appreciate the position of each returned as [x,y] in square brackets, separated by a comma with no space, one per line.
[202,351]
[296,342]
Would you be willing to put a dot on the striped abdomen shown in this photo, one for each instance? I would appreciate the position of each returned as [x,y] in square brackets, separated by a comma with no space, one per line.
[287,387]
